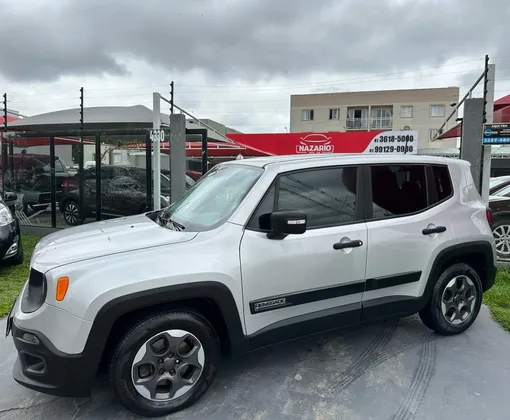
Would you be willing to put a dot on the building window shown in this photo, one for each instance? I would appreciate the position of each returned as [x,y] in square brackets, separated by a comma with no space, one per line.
[433,132]
[437,110]
[406,111]
[382,118]
[357,119]
[307,115]
[334,114]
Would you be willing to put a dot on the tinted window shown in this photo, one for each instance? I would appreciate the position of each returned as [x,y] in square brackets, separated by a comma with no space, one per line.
[398,190]
[443,182]
[327,196]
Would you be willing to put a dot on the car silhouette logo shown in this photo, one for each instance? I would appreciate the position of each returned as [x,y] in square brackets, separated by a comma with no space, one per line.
[315,143]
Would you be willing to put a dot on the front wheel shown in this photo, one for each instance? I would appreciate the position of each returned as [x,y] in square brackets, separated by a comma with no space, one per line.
[455,302]
[164,363]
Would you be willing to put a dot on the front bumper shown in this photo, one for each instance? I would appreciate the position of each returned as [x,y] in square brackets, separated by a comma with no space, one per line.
[9,235]
[43,368]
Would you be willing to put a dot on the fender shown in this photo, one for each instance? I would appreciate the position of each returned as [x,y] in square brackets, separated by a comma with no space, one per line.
[113,310]
[460,251]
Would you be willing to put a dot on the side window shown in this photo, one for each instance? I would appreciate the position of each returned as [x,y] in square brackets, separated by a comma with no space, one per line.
[327,196]
[443,181]
[398,190]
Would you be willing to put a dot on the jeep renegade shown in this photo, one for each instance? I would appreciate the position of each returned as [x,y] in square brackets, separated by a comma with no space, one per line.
[259,251]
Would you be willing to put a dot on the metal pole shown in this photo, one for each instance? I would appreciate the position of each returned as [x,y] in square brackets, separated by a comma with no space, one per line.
[177,156]
[3,140]
[81,162]
[171,98]
[99,196]
[53,186]
[156,149]
[466,96]
[489,118]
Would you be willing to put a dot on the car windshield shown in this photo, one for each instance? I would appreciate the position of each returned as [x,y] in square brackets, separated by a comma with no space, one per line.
[212,199]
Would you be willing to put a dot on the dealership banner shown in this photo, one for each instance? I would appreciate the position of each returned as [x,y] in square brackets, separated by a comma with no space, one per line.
[368,142]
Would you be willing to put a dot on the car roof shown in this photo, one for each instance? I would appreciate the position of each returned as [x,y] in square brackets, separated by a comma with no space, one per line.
[340,159]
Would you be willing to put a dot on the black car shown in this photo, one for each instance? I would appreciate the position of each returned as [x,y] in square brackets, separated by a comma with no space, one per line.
[123,193]
[11,248]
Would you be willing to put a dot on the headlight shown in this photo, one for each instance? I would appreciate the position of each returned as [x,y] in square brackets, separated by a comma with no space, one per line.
[5,216]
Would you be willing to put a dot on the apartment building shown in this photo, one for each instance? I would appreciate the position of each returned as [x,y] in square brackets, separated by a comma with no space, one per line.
[422,110]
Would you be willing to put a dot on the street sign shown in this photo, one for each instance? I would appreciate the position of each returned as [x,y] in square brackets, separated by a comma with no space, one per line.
[496,134]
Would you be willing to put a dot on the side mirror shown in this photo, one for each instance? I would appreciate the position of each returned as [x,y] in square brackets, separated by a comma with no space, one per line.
[283,223]
[10,196]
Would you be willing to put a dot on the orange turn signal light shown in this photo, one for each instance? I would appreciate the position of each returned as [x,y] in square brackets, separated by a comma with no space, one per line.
[62,285]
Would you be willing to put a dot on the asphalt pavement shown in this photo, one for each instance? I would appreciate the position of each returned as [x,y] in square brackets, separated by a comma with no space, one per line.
[396,370]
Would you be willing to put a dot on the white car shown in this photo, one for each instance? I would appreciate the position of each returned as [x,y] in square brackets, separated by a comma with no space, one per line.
[259,251]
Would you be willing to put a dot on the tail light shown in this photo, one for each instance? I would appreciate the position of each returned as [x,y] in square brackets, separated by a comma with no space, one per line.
[489,216]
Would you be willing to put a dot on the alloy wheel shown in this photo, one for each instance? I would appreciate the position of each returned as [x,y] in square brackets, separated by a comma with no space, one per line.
[459,300]
[168,365]
[71,213]
[502,240]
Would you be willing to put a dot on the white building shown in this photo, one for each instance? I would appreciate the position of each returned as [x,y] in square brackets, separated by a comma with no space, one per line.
[422,110]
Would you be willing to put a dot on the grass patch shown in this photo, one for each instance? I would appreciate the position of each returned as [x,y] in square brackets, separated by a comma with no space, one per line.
[498,298]
[13,278]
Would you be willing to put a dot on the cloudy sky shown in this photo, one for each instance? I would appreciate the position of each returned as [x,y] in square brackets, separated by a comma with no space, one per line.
[238,61]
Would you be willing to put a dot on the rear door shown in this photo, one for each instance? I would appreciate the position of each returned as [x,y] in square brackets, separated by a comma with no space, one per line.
[406,224]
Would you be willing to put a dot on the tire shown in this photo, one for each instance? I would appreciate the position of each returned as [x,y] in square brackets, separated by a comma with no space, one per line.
[435,315]
[122,373]
[72,213]
[501,233]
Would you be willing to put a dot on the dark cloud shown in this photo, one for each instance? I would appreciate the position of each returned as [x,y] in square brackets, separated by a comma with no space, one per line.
[248,39]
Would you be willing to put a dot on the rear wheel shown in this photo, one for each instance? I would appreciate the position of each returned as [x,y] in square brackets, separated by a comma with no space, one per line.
[455,302]
[72,213]
[501,233]
[164,363]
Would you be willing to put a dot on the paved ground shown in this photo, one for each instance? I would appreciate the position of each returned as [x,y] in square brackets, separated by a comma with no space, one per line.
[397,371]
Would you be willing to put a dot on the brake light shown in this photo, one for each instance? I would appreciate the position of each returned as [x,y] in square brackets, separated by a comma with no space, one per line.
[489,216]
[65,183]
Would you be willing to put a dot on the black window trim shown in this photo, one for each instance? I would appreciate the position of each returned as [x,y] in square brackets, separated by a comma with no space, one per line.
[360,194]
[430,187]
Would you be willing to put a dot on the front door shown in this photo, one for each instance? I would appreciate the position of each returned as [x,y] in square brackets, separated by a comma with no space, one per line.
[308,282]
[406,226]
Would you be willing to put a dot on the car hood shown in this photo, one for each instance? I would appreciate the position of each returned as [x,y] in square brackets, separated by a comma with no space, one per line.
[103,238]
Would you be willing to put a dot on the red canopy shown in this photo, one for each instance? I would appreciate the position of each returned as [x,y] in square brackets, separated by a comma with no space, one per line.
[501,116]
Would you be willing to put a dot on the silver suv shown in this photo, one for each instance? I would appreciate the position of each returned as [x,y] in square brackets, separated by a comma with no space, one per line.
[259,251]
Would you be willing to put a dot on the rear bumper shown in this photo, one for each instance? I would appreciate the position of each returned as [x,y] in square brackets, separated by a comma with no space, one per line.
[43,368]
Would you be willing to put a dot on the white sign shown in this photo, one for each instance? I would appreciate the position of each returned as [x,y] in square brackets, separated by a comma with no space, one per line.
[394,142]
[157,135]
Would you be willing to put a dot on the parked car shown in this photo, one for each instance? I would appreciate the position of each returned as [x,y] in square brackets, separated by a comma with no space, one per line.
[498,183]
[11,247]
[259,251]
[32,179]
[500,207]
[123,193]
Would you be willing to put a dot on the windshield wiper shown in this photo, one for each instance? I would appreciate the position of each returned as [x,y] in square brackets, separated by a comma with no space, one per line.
[165,221]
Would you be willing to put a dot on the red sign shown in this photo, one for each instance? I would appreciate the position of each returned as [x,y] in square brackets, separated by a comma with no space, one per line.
[377,142]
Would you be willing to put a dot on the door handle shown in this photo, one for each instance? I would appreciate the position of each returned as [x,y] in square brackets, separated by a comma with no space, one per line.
[352,244]
[437,229]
